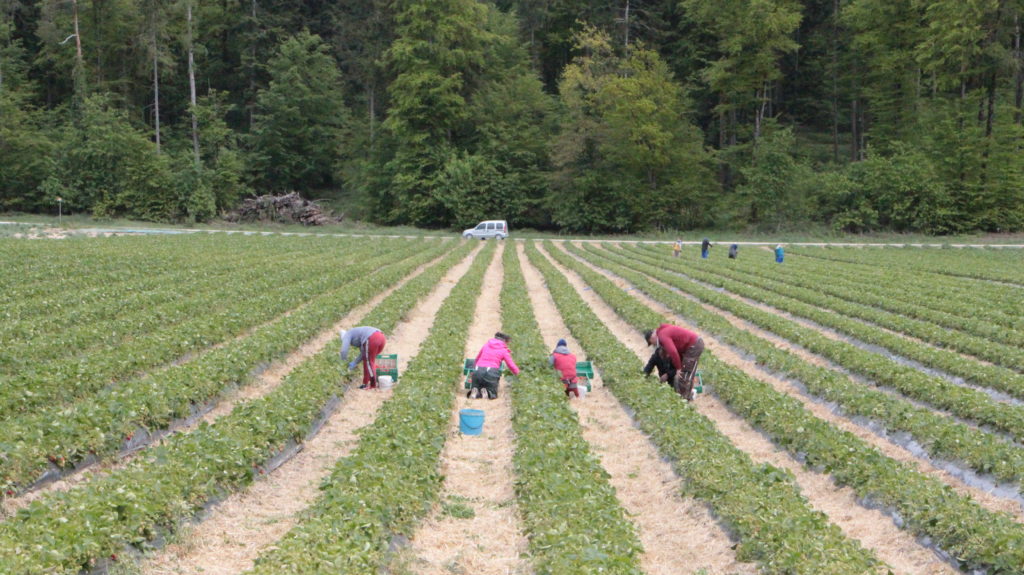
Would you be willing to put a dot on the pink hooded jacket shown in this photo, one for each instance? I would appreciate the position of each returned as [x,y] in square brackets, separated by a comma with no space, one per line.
[493,353]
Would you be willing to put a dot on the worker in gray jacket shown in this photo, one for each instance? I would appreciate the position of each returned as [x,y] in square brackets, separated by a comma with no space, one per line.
[370,342]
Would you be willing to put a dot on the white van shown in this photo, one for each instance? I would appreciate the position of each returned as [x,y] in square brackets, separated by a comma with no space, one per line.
[489,229]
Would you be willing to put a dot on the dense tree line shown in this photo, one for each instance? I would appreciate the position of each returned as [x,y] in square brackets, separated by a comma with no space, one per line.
[861,115]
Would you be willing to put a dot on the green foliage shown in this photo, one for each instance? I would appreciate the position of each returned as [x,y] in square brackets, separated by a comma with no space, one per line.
[627,157]
[906,192]
[298,138]
[454,102]
[106,166]
[774,193]
[25,144]
[468,125]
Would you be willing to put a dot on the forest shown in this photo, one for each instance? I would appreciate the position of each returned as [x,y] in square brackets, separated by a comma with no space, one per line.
[572,115]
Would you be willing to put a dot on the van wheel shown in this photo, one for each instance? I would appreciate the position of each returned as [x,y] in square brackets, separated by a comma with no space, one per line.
[501,237]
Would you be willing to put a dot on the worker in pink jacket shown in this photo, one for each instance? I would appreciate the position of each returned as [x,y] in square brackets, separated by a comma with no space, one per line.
[487,367]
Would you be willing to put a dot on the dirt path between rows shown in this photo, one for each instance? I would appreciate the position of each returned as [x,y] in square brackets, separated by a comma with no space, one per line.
[240,528]
[478,473]
[678,533]
[872,528]
[264,383]
[986,499]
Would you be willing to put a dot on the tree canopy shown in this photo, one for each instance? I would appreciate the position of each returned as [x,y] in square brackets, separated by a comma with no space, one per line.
[586,116]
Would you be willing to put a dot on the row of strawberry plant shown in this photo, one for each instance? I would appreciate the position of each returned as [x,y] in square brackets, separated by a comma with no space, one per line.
[165,314]
[820,309]
[82,528]
[971,299]
[879,266]
[72,321]
[984,264]
[971,535]
[856,295]
[939,435]
[999,353]
[90,273]
[259,296]
[103,426]
[391,478]
[970,404]
[48,270]
[760,504]
[572,517]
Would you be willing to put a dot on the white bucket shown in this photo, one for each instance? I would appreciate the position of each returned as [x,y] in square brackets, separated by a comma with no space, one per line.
[384,381]
[582,389]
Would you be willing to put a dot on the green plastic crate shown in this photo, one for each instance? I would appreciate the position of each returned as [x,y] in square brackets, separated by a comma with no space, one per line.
[585,371]
[467,370]
[387,364]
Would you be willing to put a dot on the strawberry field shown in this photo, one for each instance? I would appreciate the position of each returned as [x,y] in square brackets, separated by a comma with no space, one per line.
[176,404]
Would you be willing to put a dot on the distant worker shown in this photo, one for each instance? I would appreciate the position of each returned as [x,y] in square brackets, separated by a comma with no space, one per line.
[565,363]
[666,373]
[677,248]
[733,250]
[705,247]
[488,362]
[779,254]
[370,341]
[683,349]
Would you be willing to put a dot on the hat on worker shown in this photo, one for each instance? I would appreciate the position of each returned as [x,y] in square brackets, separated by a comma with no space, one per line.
[647,336]
[502,336]
[561,343]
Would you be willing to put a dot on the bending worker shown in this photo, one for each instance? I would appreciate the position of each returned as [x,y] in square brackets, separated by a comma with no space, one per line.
[683,349]
[370,342]
[666,373]
[565,363]
[488,366]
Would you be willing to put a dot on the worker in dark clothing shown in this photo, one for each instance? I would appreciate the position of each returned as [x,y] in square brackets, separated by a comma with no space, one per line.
[705,247]
[666,372]
[733,250]
[683,349]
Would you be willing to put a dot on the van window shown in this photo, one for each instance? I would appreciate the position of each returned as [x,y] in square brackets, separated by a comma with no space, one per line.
[501,225]
[490,226]
[481,226]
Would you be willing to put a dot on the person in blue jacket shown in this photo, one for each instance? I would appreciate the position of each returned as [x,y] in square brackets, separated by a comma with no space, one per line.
[779,254]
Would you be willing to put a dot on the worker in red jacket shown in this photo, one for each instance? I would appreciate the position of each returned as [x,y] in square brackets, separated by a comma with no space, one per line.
[565,363]
[683,348]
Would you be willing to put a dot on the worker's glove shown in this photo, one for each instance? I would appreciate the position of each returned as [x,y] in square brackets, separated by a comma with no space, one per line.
[351,365]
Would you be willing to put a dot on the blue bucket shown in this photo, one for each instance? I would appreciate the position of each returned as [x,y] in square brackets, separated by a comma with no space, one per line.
[471,421]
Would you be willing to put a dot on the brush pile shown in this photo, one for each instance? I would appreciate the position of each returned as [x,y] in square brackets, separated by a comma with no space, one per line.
[290,208]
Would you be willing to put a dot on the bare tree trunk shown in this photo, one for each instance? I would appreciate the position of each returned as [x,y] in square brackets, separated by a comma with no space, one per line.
[78,37]
[1018,73]
[192,84]
[835,81]
[252,70]
[371,103]
[854,131]
[156,91]
[626,32]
